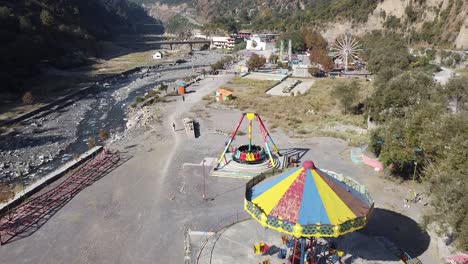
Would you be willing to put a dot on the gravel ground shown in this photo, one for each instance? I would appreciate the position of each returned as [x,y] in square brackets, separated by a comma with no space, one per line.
[40,140]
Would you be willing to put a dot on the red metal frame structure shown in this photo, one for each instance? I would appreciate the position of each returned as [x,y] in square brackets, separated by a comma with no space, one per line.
[265,135]
[27,216]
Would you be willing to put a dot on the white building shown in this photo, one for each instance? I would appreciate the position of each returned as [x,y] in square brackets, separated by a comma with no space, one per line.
[223,42]
[157,56]
[256,42]
[261,42]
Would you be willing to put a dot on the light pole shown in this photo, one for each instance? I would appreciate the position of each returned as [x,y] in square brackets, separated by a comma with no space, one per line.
[204,180]
[414,178]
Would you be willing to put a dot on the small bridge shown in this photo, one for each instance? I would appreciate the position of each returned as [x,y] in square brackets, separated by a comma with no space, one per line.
[164,42]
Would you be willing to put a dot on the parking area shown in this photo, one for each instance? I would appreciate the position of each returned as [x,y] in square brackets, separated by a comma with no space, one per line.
[301,87]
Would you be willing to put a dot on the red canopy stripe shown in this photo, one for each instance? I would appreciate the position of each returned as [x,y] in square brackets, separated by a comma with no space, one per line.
[289,206]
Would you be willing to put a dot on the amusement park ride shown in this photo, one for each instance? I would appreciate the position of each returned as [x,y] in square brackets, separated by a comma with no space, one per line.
[346,50]
[251,154]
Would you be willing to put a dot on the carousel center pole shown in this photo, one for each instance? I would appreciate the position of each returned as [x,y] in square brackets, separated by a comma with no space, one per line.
[250,132]
[303,241]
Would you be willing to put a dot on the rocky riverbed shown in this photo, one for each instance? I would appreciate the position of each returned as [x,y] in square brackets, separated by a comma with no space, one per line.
[40,144]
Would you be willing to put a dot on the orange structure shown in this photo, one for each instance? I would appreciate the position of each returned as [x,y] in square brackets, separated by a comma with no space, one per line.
[181,90]
[223,94]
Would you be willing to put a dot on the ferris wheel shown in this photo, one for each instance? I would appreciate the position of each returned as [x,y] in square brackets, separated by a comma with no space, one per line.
[346,49]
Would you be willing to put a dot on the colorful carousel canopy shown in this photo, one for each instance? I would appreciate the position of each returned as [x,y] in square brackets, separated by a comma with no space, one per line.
[307,202]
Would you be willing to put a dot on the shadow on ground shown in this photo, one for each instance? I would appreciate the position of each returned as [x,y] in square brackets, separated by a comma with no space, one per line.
[36,211]
[403,231]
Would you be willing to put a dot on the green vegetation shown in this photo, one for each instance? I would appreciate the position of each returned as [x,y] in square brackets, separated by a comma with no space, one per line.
[222,63]
[315,113]
[179,25]
[347,93]
[240,46]
[285,16]
[384,52]
[422,129]
[60,33]
[307,38]
[392,22]
[317,46]
[6,193]
[256,61]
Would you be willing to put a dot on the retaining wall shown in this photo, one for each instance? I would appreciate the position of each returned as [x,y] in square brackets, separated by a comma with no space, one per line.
[49,178]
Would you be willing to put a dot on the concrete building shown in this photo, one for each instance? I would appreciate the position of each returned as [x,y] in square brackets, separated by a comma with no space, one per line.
[256,42]
[261,42]
[223,42]
[242,35]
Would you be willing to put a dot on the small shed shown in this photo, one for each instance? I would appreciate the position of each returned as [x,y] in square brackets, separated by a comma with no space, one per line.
[157,55]
[223,95]
[181,90]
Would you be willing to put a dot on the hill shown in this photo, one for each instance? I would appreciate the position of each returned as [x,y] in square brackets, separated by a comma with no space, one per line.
[59,33]
[434,22]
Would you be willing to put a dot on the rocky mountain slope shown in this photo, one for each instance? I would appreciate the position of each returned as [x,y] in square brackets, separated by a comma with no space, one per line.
[439,22]
[59,33]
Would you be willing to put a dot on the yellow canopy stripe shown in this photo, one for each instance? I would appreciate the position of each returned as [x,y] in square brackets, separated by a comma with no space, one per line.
[338,212]
[270,198]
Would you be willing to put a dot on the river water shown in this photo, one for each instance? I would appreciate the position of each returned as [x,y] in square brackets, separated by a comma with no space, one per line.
[103,109]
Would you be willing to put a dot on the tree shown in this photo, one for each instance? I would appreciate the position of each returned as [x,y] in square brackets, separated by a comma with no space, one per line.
[313,40]
[5,13]
[317,46]
[448,177]
[256,61]
[321,57]
[25,24]
[392,22]
[46,18]
[91,142]
[163,87]
[6,193]
[347,93]
[393,98]
[384,51]
[240,46]
[314,71]
[103,135]
[27,98]
[273,58]
[297,42]
[457,91]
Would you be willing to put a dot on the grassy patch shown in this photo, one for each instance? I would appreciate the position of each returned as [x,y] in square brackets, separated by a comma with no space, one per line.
[314,113]
[127,62]
[462,72]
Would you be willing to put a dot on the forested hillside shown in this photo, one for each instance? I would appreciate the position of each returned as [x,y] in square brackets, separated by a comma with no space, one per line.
[61,33]
[436,22]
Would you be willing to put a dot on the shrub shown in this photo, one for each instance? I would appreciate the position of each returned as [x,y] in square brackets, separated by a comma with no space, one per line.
[256,61]
[27,98]
[46,18]
[6,193]
[346,93]
[139,99]
[91,142]
[103,135]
